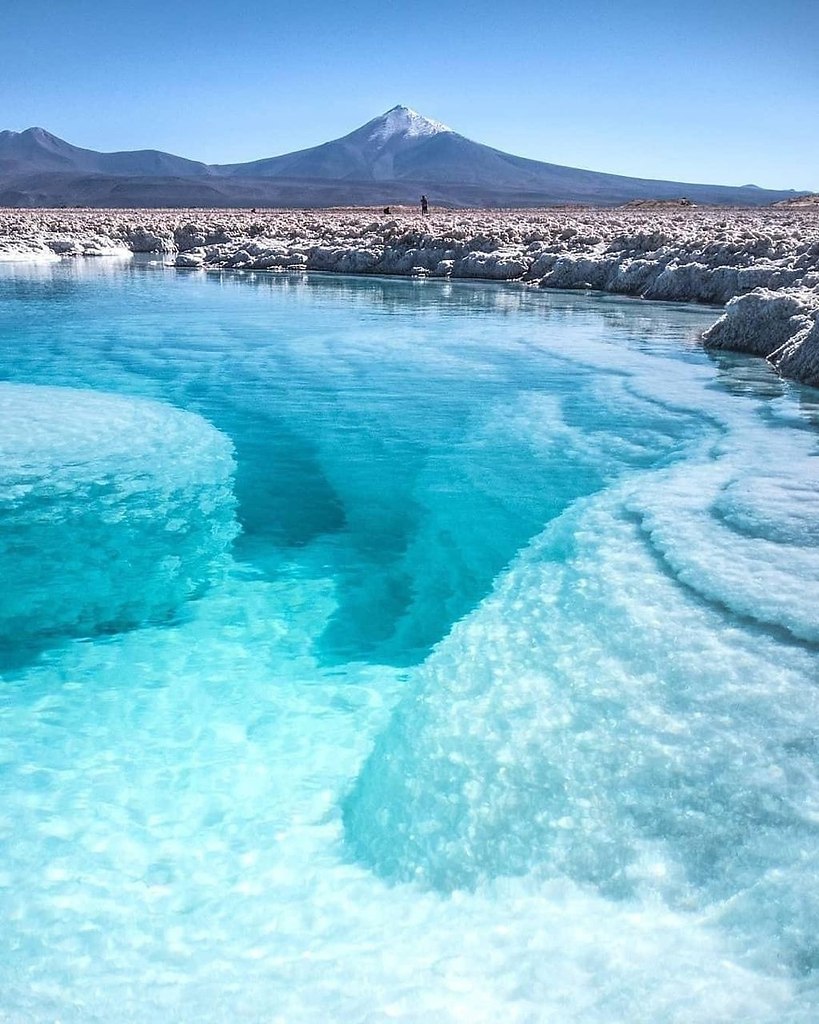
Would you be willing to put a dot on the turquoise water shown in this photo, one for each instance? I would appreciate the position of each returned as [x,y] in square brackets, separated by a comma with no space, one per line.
[397,650]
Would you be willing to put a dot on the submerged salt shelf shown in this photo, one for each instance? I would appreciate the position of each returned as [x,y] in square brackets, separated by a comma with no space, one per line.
[501,706]
[114,511]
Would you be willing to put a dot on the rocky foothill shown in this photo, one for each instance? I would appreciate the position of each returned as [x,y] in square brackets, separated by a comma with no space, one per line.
[763,263]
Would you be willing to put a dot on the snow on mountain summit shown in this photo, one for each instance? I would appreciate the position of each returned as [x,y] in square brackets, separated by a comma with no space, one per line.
[404,122]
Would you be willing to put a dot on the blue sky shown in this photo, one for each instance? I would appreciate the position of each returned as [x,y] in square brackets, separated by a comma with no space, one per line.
[720,91]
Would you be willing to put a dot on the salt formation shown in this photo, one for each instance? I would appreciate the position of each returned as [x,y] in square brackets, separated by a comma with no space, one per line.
[594,721]
[550,728]
[115,510]
[709,255]
[782,326]
[748,542]
[643,762]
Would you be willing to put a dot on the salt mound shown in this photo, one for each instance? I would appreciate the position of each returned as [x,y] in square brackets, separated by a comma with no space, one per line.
[114,510]
[593,719]
[798,357]
[783,326]
[759,322]
[596,721]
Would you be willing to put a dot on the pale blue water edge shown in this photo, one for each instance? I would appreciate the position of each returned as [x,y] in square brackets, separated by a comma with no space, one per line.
[394,650]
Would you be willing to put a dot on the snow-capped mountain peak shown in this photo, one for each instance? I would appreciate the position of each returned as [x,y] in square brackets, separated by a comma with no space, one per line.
[393,158]
[404,122]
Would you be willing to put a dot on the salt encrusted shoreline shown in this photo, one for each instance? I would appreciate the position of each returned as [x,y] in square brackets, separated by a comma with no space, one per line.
[763,262]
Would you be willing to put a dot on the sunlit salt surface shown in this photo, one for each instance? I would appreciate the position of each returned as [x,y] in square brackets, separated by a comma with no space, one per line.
[392,650]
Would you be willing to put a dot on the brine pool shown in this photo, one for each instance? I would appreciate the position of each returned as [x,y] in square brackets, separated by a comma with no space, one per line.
[383,650]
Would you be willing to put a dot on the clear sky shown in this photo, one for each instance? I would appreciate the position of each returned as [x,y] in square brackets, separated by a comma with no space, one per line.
[722,91]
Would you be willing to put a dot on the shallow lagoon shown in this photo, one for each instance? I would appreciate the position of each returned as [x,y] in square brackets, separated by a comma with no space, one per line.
[426,652]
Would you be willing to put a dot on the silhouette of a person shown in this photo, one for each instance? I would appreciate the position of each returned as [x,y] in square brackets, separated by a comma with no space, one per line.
[424,206]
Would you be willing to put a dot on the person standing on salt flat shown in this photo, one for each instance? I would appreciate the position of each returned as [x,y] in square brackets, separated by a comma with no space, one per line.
[424,206]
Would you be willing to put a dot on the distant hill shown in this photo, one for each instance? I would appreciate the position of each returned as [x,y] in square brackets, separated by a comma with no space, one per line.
[390,160]
[35,151]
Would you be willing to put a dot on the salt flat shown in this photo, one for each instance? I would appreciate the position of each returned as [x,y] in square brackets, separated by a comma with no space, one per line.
[764,263]
[389,649]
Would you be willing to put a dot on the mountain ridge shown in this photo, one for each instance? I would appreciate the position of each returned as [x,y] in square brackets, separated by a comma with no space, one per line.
[47,152]
[389,159]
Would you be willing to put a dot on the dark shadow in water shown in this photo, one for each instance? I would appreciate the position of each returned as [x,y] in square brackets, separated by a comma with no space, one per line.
[283,493]
[436,561]
[18,654]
